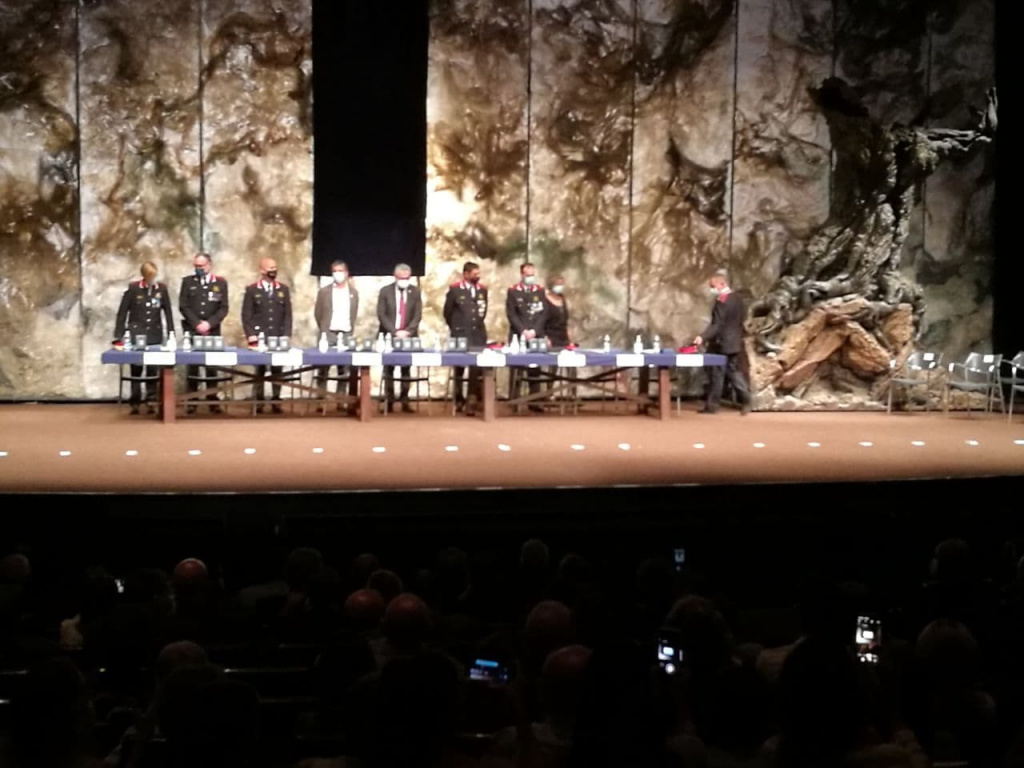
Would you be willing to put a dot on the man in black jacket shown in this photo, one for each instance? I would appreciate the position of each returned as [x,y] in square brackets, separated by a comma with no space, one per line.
[203,303]
[724,336]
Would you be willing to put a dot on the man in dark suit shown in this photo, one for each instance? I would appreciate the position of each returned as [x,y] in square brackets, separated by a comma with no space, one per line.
[724,336]
[399,310]
[145,310]
[525,307]
[203,303]
[266,309]
[335,312]
[465,310]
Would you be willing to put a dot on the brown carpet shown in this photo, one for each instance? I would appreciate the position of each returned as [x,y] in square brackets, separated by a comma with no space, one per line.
[311,453]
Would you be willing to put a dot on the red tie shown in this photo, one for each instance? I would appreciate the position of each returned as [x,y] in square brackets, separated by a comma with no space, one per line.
[401,309]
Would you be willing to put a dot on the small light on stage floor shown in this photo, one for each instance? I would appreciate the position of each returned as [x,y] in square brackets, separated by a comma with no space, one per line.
[318,450]
[814,445]
[131,453]
[1015,442]
[64,453]
[3,454]
[917,443]
[504,447]
[865,443]
[624,446]
[577,447]
[451,448]
[759,445]
[195,452]
[249,451]
[972,442]
[698,446]
[379,449]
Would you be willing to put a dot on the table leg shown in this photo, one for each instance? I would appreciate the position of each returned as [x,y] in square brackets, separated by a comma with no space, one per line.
[488,385]
[365,401]
[167,394]
[664,393]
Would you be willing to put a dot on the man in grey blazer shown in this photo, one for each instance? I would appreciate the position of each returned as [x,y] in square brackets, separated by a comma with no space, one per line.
[399,310]
[724,336]
[335,311]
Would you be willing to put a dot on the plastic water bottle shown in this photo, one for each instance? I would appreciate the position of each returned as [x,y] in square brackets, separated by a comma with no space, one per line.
[638,345]
[261,342]
[339,343]
[186,342]
[172,342]
[126,340]
[513,346]
[388,342]
[607,346]
[656,344]
[322,346]
[379,346]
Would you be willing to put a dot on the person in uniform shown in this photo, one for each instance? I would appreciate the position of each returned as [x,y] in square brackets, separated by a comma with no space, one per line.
[465,312]
[335,312]
[399,310]
[145,310]
[266,309]
[724,336]
[203,303]
[525,307]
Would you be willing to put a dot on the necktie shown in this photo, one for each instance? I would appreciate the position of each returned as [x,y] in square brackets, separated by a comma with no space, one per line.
[401,309]
[268,288]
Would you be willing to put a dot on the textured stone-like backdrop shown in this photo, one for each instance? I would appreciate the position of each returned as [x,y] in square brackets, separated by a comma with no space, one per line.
[629,145]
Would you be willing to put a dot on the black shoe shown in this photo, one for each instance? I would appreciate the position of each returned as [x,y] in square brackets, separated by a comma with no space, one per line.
[389,406]
[705,409]
[407,407]
[276,408]
[460,406]
[134,410]
[745,409]
[216,409]
[536,409]
[190,409]
[151,410]
[259,409]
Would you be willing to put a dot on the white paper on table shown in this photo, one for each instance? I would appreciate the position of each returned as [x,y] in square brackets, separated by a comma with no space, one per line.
[366,359]
[158,358]
[221,358]
[569,359]
[629,361]
[491,359]
[426,359]
[690,361]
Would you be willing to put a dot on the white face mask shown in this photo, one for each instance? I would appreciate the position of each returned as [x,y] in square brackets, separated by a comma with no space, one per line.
[557,289]
[529,280]
[340,277]
[714,291]
[402,283]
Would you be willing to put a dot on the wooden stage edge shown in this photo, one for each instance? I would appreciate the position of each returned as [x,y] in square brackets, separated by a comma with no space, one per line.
[98,448]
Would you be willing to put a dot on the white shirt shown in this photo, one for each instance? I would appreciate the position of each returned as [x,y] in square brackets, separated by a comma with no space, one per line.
[341,312]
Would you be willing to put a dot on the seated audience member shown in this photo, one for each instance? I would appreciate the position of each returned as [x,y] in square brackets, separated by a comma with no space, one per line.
[406,629]
[365,610]
[827,717]
[387,583]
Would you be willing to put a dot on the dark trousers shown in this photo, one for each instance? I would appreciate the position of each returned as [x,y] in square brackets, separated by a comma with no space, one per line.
[717,376]
[389,382]
[343,372]
[193,374]
[260,372]
[151,387]
[475,388]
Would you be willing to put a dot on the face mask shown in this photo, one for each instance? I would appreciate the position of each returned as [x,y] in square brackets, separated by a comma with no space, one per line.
[271,274]
[200,272]
[340,277]
[403,283]
[714,291]
[529,280]
[558,289]
[472,280]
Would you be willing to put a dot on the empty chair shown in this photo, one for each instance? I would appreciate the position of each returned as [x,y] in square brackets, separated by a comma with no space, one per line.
[1015,380]
[916,373]
[978,373]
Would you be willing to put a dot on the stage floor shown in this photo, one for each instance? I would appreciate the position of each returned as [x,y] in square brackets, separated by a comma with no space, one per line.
[100,448]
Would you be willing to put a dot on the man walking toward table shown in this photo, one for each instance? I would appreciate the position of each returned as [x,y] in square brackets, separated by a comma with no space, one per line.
[267,309]
[724,336]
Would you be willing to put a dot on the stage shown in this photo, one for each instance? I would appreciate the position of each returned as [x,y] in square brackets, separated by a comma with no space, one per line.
[98,448]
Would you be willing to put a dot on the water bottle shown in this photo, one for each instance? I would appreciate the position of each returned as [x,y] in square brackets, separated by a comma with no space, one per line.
[379,346]
[656,345]
[638,345]
[261,342]
[172,342]
[339,344]
[323,342]
[186,342]
[607,346]
[387,342]
[126,340]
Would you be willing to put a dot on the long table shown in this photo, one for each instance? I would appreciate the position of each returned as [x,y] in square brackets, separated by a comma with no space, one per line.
[488,361]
